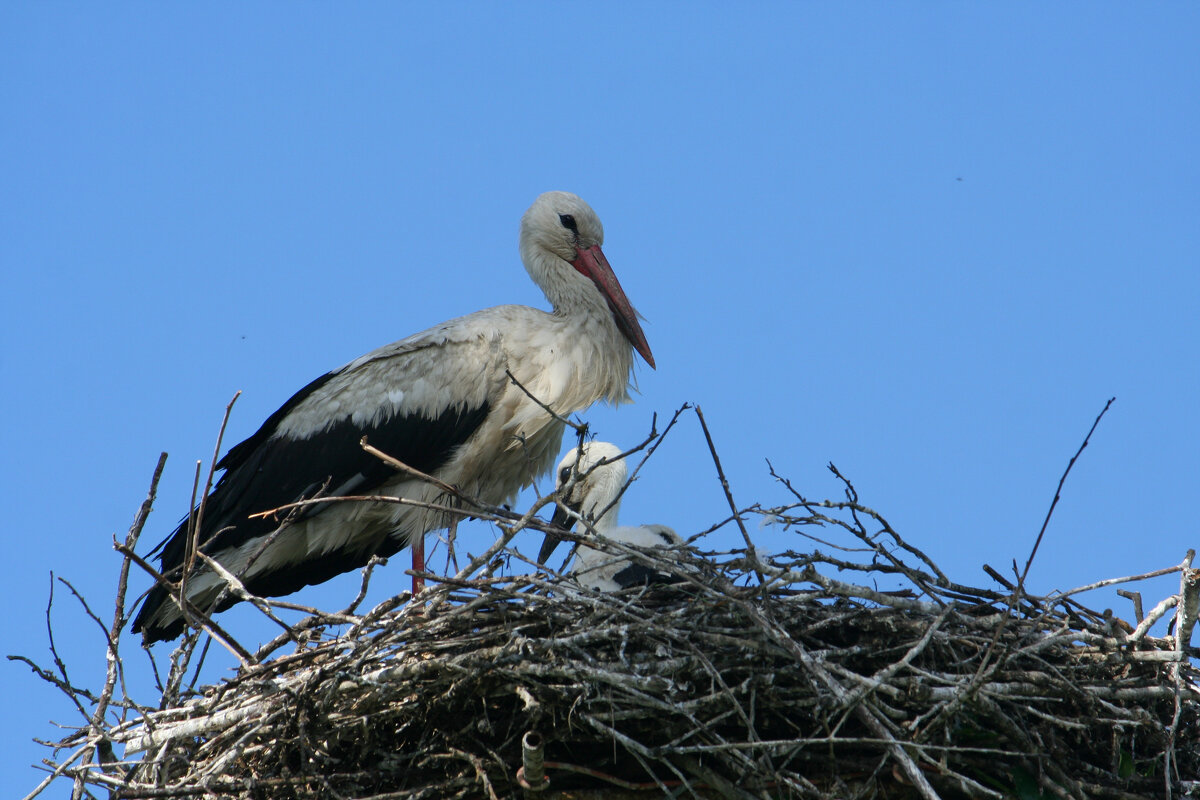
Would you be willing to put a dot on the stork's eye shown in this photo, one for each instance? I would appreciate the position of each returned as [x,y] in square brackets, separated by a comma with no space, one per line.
[568,222]
[563,475]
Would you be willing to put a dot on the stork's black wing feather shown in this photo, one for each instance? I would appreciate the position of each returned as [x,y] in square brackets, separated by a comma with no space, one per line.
[639,575]
[282,470]
[170,550]
[267,471]
[242,451]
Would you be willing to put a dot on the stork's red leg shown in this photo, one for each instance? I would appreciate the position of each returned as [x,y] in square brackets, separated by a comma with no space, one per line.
[418,565]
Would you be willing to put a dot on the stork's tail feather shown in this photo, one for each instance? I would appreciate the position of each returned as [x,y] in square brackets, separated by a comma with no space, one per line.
[158,619]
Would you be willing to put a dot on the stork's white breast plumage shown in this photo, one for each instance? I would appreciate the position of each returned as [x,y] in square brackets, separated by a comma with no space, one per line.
[591,479]
[441,401]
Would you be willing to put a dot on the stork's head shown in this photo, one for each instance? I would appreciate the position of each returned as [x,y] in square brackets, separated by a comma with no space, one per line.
[560,246]
[561,224]
[590,479]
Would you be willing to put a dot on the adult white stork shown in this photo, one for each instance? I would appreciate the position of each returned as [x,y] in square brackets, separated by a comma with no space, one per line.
[440,401]
[594,499]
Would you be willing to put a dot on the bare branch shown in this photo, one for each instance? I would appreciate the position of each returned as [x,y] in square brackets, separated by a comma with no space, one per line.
[1058,492]
[751,552]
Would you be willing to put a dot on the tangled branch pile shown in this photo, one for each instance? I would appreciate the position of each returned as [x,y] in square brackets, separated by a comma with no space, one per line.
[750,678]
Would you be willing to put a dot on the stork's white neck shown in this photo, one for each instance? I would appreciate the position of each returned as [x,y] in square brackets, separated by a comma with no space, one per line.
[569,292]
[584,333]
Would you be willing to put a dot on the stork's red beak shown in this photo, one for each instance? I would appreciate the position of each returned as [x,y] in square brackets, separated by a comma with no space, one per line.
[592,263]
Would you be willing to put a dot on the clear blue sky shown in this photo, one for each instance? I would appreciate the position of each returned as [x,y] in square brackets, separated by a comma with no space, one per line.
[925,242]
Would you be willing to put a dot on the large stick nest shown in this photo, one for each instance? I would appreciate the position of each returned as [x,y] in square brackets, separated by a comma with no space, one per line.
[752,676]
[733,692]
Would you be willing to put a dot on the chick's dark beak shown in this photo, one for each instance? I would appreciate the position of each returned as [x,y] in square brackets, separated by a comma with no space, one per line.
[563,518]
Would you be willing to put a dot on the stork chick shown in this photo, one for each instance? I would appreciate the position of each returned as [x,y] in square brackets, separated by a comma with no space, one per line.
[594,476]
